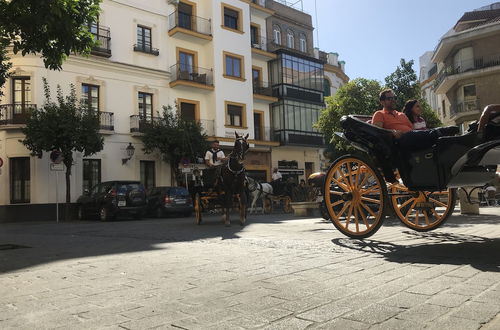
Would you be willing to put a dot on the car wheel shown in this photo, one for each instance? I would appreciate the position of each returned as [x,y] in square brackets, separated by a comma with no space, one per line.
[159,212]
[103,213]
[80,214]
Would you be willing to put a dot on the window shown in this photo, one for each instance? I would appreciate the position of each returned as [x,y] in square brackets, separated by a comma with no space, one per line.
[148,174]
[303,43]
[254,35]
[277,35]
[258,126]
[145,105]
[327,91]
[188,109]
[443,108]
[21,92]
[233,66]
[256,76]
[187,62]
[290,39]
[19,180]
[232,17]
[90,96]
[185,15]
[235,114]
[469,92]
[144,38]
[91,173]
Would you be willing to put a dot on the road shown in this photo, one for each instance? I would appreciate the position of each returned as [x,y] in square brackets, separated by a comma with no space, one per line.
[277,272]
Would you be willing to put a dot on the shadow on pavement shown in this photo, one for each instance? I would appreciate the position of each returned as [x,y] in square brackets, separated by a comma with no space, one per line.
[49,242]
[435,248]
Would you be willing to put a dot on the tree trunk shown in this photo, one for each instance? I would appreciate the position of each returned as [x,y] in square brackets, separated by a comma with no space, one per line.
[69,163]
[173,173]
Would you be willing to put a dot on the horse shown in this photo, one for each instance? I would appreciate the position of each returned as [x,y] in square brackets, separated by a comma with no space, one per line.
[258,190]
[232,179]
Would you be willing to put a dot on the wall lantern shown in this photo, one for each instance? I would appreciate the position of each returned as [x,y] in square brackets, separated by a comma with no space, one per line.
[130,152]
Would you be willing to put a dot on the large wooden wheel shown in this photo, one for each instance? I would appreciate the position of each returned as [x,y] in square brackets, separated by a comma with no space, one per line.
[287,204]
[422,210]
[197,208]
[355,196]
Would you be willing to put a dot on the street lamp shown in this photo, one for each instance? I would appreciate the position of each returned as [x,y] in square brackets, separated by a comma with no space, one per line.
[130,152]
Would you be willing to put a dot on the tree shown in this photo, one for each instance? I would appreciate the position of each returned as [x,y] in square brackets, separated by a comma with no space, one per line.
[53,29]
[358,96]
[174,138]
[403,81]
[66,125]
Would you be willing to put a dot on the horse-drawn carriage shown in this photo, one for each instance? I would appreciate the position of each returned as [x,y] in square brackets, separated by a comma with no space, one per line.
[420,186]
[228,187]
[280,194]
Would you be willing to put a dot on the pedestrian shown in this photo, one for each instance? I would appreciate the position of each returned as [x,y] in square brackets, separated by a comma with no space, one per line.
[413,111]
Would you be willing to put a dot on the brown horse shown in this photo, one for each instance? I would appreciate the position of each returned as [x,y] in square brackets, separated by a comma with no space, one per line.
[232,179]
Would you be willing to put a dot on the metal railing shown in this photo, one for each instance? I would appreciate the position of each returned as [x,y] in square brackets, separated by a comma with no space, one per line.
[208,126]
[262,88]
[139,122]
[468,65]
[106,121]
[189,22]
[466,106]
[191,73]
[15,114]
[146,49]
[260,43]
[261,3]
[103,35]
[432,71]
[263,133]
[273,46]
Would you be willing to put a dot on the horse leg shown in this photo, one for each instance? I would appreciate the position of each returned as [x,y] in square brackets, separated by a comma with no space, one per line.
[243,208]
[255,197]
[228,198]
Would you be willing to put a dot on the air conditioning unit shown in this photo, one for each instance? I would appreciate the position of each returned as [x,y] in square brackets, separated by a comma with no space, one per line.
[173,2]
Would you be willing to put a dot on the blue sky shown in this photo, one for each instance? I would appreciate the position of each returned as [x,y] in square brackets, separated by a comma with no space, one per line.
[372,36]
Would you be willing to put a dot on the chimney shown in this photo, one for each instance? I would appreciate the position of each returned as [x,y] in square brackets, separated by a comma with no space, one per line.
[333,59]
[342,65]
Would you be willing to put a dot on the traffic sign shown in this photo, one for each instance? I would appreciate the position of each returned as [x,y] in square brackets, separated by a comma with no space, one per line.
[56,167]
[56,157]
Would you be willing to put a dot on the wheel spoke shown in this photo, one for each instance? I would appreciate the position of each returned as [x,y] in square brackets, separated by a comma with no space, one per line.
[417,213]
[371,200]
[342,176]
[338,202]
[349,214]
[333,192]
[346,205]
[411,208]
[372,190]
[369,210]
[427,222]
[340,184]
[360,211]
[435,201]
[406,203]
[356,218]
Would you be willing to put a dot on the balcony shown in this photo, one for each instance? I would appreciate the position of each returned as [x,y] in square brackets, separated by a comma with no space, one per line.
[451,73]
[191,76]
[465,108]
[262,90]
[146,49]
[103,35]
[273,46]
[264,136]
[15,114]
[261,46]
[106,121]
[189,25]
[138,123]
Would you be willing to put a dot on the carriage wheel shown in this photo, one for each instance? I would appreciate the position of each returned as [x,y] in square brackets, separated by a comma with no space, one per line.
[197,209]
[287,204]
[422,210]
[267,204]
[355,196]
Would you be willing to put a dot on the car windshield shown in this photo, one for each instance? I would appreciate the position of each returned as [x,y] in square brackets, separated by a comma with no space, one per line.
[123,188]
[178,191]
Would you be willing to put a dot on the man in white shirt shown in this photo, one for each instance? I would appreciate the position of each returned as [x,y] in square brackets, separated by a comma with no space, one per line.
[276,174]
[214,158]
[276,181]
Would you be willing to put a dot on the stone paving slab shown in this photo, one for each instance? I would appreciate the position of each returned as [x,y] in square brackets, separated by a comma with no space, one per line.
[277,272]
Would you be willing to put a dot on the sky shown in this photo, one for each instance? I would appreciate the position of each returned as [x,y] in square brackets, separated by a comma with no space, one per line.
[372,36]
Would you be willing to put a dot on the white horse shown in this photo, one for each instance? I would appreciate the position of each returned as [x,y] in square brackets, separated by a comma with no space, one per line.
[258,190]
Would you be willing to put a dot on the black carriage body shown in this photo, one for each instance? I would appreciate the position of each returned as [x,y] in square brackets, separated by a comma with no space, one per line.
[452,162]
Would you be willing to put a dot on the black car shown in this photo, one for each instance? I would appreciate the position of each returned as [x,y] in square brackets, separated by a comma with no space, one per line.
[169,200]
[112,198]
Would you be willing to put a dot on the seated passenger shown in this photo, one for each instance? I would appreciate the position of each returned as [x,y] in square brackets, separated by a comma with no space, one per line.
[214,158]
[413,111]
[490,111]
[402,128]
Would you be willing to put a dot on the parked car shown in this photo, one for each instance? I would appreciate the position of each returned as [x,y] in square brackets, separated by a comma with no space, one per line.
[169,200]
[107,200]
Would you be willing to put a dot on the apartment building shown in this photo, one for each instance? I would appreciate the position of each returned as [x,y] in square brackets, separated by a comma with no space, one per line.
[427,77]
[468,64]
[210,60]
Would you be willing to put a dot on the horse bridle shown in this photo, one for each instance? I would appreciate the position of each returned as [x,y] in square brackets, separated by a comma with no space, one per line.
[239,155]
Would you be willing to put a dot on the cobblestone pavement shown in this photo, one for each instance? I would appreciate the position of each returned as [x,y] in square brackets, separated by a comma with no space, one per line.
[277,272]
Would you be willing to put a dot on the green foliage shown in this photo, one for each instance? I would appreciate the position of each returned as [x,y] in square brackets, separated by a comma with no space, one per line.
[359,96]
[174,138]
[65,125]
[406,87]
[55,29]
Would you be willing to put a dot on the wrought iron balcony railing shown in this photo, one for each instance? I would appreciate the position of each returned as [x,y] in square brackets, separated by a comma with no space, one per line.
[189,22]
[191,73]
[467,65]
[466,106]
[146,49]
[262,88]
[139,122]
[261,43]
[15,114]
[263,133]
[103,35]
[106,120]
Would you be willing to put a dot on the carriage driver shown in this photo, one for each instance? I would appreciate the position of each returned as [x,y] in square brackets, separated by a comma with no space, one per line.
[214,158]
